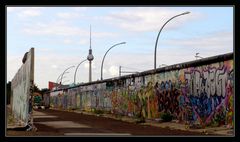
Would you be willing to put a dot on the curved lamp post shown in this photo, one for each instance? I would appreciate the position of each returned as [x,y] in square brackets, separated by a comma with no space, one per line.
[106,54]
[155,52]
[64,72]
[76,70]
[197,56]
[60,76]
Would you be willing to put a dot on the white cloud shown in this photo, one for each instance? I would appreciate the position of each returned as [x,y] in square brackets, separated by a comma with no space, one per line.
[61,28]
[113,70]
[67,41]
[68,15]
[13,64]
[210,44]
[86,65]
[104,71]
[54,28]
[30,13]
[54,66]
[148,19]
[24,12]
[43,49]
[83,42]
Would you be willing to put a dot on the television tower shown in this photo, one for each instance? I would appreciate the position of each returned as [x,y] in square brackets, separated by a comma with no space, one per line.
[90,58]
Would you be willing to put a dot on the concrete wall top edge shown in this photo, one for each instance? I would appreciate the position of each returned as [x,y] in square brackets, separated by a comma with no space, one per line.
[204,61]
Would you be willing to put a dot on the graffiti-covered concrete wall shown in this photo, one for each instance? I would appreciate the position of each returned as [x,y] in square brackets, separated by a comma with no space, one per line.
[199,91]
[21,88]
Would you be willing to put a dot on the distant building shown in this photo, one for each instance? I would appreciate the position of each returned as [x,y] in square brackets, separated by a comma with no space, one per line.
[53,86]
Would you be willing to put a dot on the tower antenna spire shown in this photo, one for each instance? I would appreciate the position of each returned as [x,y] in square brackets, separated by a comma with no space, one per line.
[90,38]
[90,57]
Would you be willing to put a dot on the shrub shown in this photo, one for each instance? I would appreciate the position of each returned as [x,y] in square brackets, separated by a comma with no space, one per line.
[166,117]
[141,120]
[98,111]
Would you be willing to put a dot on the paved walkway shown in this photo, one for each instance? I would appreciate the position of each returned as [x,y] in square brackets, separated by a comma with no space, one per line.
[69,127]
[223,130]
[85,123]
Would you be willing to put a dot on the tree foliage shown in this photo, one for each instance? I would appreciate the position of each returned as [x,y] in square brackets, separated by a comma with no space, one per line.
[36,89]
[8,92]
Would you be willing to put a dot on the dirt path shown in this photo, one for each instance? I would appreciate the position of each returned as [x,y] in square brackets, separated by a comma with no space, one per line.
[54,123]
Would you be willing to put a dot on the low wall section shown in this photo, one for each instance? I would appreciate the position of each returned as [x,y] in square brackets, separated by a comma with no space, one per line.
[200,91]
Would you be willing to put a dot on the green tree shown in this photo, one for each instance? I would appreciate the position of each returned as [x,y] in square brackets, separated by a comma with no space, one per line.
[44,90]
[8,92]
[36,89]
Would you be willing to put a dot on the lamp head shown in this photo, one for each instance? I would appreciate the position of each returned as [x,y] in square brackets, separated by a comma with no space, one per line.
[186,12]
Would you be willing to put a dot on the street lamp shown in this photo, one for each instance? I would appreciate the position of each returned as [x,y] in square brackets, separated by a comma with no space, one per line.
[106,54]
[155,52]
[60,76]
[64,72]
[76,70]
[197,56]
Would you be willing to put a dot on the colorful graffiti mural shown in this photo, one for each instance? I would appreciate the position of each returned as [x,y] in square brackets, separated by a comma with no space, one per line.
[201,94]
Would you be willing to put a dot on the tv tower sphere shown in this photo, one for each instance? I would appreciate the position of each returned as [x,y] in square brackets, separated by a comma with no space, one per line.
[90,56]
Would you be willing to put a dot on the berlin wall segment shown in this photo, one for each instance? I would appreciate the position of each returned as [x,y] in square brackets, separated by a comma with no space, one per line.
[199,92]
[22,91]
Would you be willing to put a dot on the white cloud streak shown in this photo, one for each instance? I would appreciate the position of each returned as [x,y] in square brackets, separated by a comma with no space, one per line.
[29,13]
[113,70]
[68,15]
[210,44]
[61,28]
[25,12]
[148,19]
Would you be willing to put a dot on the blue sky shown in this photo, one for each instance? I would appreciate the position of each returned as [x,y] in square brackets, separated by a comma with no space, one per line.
[60,36]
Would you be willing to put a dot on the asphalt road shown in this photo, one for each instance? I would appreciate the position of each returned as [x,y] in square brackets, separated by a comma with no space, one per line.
[62,123]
